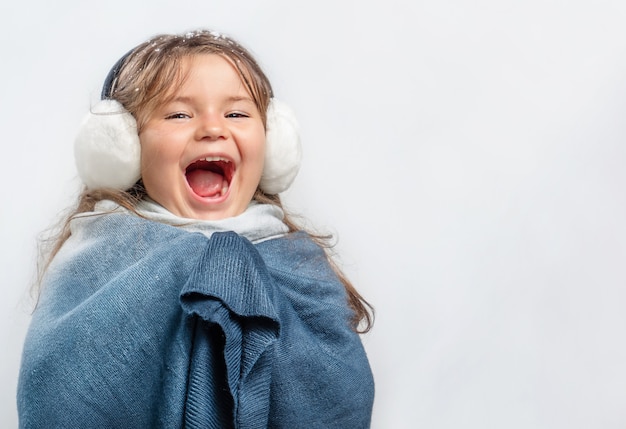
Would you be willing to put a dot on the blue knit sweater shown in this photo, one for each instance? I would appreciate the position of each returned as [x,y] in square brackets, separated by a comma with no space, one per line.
[145,325]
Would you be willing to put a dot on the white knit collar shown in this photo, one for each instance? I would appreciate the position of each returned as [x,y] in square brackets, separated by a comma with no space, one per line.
[258,223]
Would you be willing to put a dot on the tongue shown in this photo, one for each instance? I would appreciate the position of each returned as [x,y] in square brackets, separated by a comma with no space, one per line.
[205,183]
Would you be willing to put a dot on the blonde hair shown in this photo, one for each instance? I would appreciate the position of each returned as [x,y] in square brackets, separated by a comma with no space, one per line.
[148,76]
[151,73]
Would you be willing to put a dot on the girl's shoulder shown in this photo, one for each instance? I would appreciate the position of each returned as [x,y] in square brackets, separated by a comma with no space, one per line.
[297,254]
[122,235]
[120,225]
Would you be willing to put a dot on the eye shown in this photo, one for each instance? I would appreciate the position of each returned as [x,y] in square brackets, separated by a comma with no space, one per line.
[237,115]
[178,115]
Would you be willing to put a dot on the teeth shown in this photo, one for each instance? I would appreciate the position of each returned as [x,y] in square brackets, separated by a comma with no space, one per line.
[215,158]
[224,189]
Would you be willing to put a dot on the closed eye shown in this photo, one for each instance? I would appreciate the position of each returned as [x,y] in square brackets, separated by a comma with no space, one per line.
[237,115]
[178,115]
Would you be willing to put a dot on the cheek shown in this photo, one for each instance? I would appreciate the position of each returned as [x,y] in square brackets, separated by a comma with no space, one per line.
[261,149]
[258,155]
[260,146]
[152,149]
[147,143]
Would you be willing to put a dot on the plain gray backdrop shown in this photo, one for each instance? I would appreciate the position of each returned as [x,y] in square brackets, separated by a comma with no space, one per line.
[468,156]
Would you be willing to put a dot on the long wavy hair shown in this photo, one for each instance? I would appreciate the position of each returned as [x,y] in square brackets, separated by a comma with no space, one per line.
[150,75]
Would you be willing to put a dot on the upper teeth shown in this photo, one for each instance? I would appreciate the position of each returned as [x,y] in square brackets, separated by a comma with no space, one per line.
[215,158]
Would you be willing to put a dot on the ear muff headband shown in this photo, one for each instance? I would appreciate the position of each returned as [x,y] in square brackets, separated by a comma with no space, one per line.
[111,79]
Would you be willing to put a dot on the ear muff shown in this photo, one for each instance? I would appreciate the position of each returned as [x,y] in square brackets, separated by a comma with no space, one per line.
[107,151]
[283,151]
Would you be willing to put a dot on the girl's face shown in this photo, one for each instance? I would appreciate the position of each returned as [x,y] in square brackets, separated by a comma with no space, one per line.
[202,152]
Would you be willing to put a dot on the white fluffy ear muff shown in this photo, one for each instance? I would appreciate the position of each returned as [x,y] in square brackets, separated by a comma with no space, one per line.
[106,149]
[283,151]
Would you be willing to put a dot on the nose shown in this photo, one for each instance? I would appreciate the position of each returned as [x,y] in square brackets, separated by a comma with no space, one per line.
[211,127]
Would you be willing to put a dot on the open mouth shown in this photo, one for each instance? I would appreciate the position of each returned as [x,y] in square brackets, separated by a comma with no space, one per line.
[210,177]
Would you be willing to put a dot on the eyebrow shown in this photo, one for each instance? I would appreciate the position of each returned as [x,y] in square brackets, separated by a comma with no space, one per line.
[233,99]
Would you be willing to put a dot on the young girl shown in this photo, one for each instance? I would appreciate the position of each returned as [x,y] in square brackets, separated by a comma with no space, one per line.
[179,293]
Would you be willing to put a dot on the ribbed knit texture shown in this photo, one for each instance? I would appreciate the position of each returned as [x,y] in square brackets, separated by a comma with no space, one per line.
[145,325]
[232,291]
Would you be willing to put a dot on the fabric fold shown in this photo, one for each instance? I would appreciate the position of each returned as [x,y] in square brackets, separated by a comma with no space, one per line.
[145,325]
[231,294]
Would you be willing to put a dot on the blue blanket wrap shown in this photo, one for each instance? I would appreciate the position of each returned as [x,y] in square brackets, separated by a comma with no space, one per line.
[146,325]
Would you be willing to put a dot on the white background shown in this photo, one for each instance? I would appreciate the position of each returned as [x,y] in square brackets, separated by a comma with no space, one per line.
[469,156]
